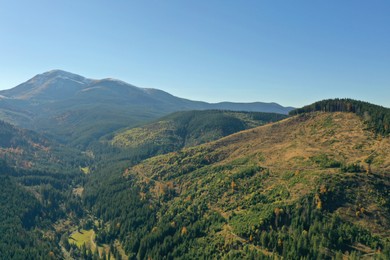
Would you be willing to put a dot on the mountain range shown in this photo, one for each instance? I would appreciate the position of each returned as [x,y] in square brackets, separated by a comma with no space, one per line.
[79,110]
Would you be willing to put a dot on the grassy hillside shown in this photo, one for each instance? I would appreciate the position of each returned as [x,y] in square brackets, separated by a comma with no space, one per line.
[376,118]
[190,128]
[315,185]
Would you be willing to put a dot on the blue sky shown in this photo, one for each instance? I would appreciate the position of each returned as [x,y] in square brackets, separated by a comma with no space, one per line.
[290,52]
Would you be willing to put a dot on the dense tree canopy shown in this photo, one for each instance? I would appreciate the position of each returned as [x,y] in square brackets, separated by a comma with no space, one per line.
[376,117]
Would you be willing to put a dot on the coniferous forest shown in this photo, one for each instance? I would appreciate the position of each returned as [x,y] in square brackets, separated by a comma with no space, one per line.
[203,184]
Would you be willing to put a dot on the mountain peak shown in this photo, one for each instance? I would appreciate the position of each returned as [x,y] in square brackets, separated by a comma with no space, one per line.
[55,84]
[53,74]
[57,71]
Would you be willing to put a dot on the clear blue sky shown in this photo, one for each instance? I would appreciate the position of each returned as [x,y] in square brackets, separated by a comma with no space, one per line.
[290,52]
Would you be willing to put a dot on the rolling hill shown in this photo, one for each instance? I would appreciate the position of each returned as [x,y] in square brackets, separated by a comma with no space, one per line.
[190,128]
[79,110]
[315,185]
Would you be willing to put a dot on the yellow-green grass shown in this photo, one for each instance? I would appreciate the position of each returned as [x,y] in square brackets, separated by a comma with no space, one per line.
[156,133]
[87,237]
[85,170]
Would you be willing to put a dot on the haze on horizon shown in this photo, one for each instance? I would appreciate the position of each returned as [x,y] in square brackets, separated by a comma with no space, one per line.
[292,53]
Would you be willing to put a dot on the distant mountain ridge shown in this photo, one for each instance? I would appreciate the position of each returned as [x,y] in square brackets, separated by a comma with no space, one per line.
[43,85]
[58,85]
[71,106]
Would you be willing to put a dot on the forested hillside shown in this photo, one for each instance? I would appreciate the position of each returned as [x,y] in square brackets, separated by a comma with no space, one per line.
[376,117]
[38,178]
[19,214]
[31,203]
[314,186]
[29,150]
[190,128]
[168,134]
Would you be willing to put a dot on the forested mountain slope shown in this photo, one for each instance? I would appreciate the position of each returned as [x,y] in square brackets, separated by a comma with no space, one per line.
[33,206]
[190,128]
[37,177]
[29,150]
[315,185]
[19,212]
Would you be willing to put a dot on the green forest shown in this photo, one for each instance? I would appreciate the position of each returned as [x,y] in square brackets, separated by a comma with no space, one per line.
[204,185]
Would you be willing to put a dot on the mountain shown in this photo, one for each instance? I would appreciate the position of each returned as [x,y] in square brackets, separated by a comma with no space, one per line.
[314,186]
[80,110]
[254,107]
[49,86]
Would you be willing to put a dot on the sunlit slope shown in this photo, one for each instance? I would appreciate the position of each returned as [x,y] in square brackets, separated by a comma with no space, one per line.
[300,143]
[267,188]
[189,128]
